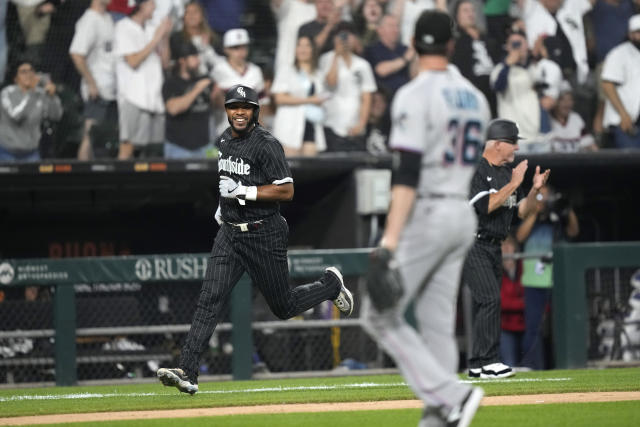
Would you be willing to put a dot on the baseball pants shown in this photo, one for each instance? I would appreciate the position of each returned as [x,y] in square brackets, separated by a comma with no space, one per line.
[262,252]
[430,257]
[483,274]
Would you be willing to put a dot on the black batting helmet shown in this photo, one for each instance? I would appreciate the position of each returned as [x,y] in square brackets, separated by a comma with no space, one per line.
[243,94]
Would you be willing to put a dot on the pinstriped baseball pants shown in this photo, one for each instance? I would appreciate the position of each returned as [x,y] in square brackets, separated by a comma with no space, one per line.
[483,274]
[263,254]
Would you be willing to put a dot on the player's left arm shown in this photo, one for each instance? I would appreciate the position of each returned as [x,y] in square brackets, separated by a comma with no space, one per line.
[277,171]
[406,175]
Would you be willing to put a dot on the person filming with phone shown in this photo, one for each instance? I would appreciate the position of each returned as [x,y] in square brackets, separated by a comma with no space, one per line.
[527,87]
[24,106]
[351,82]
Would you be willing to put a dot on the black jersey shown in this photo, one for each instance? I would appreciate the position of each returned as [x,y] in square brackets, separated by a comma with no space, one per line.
[254,159]
[490,179]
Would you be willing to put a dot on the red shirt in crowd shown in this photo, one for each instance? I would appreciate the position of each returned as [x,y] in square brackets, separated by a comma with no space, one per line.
[121,6]
[512,302]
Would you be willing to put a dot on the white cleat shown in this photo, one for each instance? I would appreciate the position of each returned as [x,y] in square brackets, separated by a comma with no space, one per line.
[344,301]
[496,370]
[176,378]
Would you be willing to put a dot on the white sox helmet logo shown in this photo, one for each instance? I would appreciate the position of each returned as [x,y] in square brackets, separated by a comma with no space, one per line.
[241,92]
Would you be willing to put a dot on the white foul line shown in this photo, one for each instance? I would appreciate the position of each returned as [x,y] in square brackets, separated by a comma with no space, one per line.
[253,390]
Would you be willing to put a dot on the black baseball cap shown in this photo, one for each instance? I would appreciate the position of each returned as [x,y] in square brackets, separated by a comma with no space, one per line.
[183,49]
[433,28]
[503,130]
[243,94]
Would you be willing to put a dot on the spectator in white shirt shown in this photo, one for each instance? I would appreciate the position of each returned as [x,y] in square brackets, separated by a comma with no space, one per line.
[299,92]
[526,91]
[351,83]
[141,53]
[621,86]
[92,53]
[235,70]
[568,133]
[290,15]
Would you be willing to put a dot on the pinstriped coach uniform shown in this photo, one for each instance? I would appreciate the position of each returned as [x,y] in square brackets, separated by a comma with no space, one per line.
[252,238]
[482,270]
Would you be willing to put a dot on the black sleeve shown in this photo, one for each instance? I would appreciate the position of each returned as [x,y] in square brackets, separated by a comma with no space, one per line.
[169,90]
[274,164]
[406,168]
[479,193]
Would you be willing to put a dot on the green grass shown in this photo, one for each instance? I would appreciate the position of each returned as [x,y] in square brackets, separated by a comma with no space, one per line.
[618,414]
[309,390]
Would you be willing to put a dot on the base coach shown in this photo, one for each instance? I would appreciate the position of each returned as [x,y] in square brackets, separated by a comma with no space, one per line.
[495,194]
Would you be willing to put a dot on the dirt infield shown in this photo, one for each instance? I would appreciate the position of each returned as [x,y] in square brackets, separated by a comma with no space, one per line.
[314,407]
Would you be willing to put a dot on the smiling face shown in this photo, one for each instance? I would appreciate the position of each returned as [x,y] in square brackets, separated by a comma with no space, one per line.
[240,117]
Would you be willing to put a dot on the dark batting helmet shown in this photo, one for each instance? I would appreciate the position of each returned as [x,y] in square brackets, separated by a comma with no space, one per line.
[243,94]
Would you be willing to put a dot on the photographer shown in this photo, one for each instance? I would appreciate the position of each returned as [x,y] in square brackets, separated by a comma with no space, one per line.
[25,105]
[552,220]
[526,88]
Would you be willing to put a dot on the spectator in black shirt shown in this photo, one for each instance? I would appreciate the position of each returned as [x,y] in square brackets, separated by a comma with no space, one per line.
[474,55]
[187,98]
[324,27]
[495,195]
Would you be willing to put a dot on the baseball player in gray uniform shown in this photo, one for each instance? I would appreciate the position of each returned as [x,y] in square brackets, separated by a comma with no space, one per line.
[439,121]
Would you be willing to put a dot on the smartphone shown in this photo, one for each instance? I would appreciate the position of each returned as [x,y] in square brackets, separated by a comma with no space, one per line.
[44,80]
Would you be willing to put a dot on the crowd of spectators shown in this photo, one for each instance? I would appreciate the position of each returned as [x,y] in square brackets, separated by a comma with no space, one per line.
[151,74]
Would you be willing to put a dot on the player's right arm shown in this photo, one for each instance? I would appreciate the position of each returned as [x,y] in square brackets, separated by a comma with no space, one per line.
[406,139]
[402,199]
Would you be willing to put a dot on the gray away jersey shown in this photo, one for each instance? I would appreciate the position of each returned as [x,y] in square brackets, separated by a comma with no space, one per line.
[443,117]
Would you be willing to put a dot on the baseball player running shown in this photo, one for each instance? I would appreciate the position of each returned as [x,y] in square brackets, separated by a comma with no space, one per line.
[254,178]
[439,120]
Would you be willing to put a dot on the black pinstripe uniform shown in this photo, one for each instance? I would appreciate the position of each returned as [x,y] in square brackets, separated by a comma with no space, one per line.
[259,246]
[482,270]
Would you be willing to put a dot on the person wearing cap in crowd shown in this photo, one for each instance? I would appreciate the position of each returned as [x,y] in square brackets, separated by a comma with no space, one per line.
[235,70]
[495,195]
[187,96]
[141,55]
[430,224]
[254,179]
[621,86]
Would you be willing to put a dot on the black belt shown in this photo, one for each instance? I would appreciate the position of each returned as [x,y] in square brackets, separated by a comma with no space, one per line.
[487,238]
[246,226]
